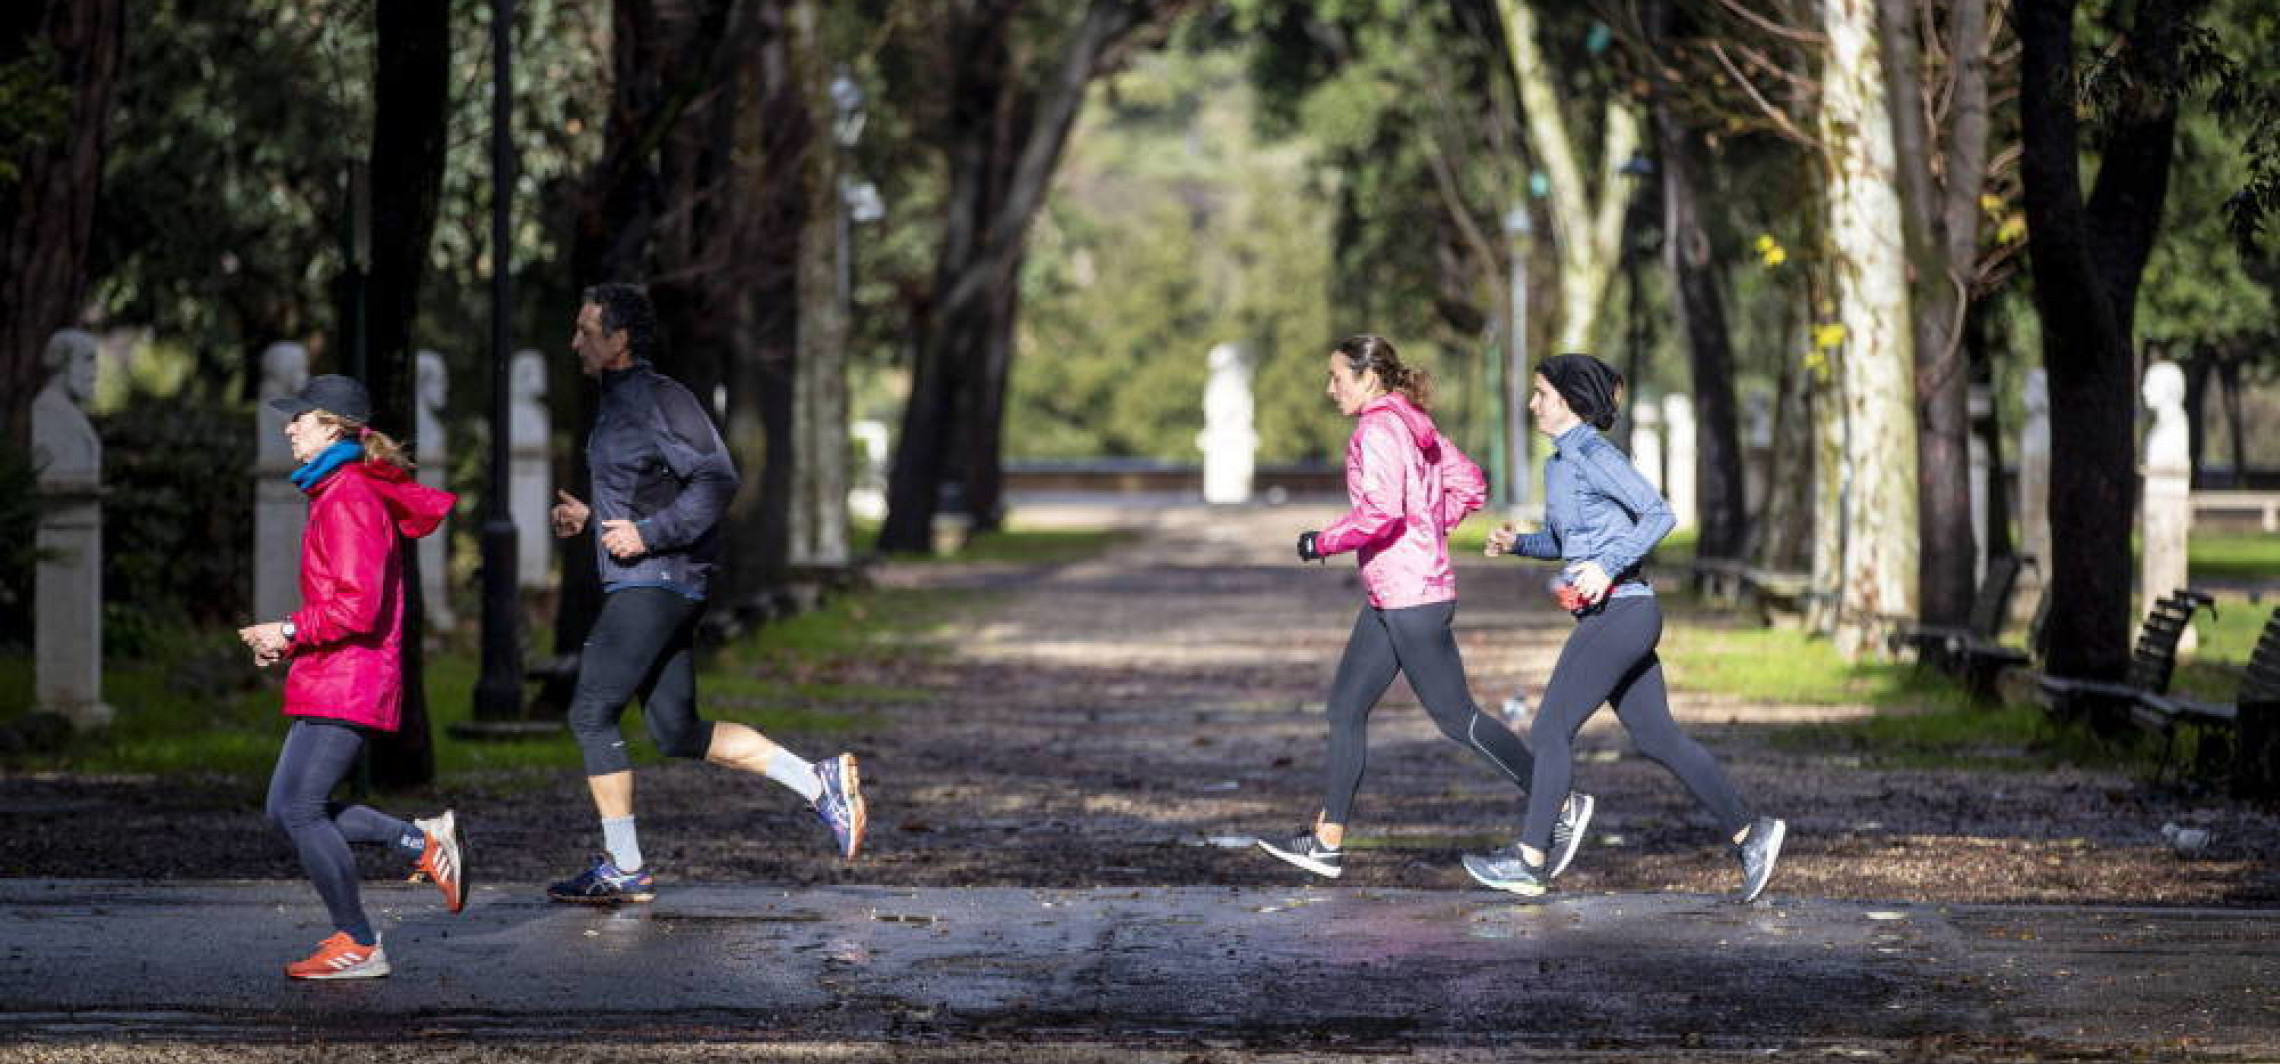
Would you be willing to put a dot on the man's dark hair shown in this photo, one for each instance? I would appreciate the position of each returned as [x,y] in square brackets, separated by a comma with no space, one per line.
[626,309]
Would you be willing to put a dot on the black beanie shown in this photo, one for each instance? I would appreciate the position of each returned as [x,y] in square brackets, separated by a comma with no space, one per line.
[1587,385]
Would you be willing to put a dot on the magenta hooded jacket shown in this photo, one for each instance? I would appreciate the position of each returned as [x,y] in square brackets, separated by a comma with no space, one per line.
[348,634]
[1409,487]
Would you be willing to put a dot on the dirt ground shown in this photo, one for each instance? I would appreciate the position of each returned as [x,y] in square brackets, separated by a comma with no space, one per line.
[1132,718]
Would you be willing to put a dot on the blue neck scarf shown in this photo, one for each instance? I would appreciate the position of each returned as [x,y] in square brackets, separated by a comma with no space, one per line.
[322,466]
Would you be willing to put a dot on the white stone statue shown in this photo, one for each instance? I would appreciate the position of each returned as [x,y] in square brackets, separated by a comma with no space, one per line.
[279,510]
[432,442]
[2165,508]
[1229,442]
[67,457]
[530,470]
[1678,419]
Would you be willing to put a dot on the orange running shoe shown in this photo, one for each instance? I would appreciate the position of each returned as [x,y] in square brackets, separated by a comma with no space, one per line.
[339,957]
[444,862]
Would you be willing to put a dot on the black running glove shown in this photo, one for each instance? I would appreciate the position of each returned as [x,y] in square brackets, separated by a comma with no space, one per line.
[1306,551]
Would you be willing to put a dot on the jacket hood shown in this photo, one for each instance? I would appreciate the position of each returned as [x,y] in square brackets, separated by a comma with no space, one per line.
[416,508]
[1419,423]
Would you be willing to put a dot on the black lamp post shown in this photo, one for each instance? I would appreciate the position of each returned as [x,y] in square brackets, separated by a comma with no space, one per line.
[499,692]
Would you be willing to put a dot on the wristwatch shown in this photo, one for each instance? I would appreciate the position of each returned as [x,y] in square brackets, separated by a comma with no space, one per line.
[286,629]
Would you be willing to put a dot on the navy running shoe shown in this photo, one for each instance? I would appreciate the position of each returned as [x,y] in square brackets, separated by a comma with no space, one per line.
[603,884]
[841,806]
[1505,870]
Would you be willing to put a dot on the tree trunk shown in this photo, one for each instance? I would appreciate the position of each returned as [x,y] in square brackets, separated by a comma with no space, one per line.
[2087,260]
[1877,585]
[1942,243]
[411,105]
[1701,311]
[661,62]
[1587,221]
[47,213]
[819,407]
[1006,139]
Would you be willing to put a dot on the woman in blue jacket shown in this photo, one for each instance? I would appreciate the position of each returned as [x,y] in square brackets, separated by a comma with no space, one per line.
[1601,517]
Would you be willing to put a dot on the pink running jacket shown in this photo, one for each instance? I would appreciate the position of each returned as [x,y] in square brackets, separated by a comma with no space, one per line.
[1409,486]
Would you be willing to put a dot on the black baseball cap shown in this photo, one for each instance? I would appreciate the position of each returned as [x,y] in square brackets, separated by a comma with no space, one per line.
[331,393]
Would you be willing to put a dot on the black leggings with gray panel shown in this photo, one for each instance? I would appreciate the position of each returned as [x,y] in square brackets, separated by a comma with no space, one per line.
[1415,642]
[1610,657]
[639,647]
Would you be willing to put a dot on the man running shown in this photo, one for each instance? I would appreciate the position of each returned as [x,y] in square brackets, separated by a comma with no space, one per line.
[662,479]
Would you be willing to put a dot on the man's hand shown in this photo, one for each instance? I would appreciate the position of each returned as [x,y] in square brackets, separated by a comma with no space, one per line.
[622,540]
[1500,540]
[569,515]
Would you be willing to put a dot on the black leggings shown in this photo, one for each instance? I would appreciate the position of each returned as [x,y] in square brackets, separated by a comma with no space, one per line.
[1611,657]
[639,646]
[1415,642]
[318,754]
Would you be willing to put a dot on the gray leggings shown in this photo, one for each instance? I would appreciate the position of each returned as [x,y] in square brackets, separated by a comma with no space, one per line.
[318,754]
[639,646]
[1415,642]
[1610,657]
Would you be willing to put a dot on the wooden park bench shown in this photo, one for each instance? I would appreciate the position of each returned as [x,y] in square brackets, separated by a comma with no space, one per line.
[2153,661]
[1955,649]
[2240,738]
[1771,593]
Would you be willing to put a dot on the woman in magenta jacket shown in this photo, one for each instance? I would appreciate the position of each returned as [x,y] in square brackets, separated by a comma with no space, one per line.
[1409,486]
[346,676]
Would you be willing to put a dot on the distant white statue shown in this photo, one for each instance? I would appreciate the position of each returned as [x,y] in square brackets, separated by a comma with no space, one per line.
[431,394]
[2165,507]
[530,471]
[67,457]
[1230,444]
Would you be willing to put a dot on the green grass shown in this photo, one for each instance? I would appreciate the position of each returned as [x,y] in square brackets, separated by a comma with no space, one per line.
[190,706]
[2237,556]
[1783,665]
[1036,546]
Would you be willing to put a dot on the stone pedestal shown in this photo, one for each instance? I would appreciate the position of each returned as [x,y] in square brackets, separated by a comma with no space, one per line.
[67,589]
[432,443]
[1647,444]
[1678,472]
[2034,492]
[1982,406]
[2165,505]
[530,471]
[279,509]
[1229,443]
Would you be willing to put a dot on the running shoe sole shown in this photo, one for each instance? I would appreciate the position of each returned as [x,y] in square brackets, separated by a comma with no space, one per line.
[858,810]
[445,828]
[1585,806]
[1326,871]
[1750,891]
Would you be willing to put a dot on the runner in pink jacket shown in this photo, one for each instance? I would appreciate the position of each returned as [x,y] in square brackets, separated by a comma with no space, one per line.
[346,680]
[1409,487]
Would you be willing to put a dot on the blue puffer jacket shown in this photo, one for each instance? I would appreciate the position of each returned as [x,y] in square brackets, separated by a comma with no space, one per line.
[1598,507]
[658,461]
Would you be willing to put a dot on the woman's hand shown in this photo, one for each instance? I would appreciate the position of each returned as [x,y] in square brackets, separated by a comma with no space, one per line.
[1306,551]
[267,641]
[1589,580]
[1500,540]
[623,540]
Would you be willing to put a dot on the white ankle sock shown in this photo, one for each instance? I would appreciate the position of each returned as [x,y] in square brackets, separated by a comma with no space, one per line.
[790,770]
